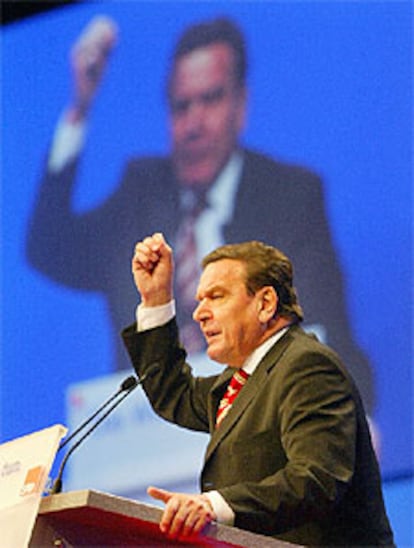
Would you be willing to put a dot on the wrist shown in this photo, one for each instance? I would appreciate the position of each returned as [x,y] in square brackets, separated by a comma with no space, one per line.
[77,111]
[158,298]
[207,503]
[75,115]
[222,511]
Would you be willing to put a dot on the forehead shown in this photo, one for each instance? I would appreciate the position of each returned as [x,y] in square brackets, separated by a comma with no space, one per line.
[222,273]
[203,67]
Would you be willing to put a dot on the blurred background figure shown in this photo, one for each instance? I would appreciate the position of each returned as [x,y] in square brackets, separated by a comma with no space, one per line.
[210,189]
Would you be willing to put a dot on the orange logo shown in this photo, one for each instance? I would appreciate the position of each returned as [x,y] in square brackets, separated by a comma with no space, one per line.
[33,481]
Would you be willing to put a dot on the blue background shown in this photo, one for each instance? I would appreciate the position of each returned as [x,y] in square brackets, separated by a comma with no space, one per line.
[330,87]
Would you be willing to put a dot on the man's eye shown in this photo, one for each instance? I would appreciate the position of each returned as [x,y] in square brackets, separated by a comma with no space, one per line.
[216,296]
[213,96]
[179,107]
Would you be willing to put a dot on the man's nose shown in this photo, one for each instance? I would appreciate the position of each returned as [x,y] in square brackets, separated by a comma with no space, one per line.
[195,117]
[200,313]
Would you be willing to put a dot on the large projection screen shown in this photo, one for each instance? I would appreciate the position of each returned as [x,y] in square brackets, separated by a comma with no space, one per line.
[330,88]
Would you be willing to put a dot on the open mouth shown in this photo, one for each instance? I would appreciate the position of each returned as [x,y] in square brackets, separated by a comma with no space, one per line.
[194,154]
[210,335]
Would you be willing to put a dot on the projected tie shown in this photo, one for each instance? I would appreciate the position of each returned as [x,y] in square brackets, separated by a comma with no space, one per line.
[236,383]
[188,273]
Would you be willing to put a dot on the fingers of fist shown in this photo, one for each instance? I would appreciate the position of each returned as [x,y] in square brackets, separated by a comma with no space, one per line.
[147,253]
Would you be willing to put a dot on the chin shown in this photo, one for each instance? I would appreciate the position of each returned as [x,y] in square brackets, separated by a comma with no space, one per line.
[216,356]
[196,176]
[196,182]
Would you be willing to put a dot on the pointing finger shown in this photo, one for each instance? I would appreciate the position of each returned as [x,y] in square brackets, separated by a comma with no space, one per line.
[159,494]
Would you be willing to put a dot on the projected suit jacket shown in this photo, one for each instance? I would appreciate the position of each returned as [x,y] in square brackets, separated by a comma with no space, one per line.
[293,457]
[278,203]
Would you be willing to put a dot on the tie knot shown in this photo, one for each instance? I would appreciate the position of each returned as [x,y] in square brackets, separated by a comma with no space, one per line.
[239,378]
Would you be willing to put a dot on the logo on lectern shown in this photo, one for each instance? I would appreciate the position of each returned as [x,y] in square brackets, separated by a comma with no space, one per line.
[33,481]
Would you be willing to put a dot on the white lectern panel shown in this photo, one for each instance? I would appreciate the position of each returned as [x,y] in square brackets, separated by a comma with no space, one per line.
[24,467]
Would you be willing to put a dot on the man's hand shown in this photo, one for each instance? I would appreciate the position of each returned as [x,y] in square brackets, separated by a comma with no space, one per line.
[89,58]
[184,515]
[152,267]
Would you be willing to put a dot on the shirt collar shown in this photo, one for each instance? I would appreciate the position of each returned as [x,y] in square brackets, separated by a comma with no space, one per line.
[258,354]
[221,195]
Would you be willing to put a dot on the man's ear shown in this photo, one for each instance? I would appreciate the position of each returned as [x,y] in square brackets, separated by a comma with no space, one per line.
[267,303]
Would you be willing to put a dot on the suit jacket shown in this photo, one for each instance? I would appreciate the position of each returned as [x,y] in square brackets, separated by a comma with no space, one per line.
[293,457]
[278,203]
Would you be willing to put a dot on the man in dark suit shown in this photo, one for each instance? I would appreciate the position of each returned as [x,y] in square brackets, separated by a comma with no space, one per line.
[244,194]
[290,454]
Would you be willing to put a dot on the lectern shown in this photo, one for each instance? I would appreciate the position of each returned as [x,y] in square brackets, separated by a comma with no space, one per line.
[95,519]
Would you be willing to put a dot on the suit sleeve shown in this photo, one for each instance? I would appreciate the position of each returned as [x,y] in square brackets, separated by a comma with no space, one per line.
[76,248]
[61,243]
[174,393]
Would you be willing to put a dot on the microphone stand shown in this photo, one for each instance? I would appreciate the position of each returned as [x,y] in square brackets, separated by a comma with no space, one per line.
[57,484]
[127,386]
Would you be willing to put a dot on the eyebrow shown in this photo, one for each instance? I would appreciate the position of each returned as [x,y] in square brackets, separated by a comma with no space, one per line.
[216,286]
[215,93]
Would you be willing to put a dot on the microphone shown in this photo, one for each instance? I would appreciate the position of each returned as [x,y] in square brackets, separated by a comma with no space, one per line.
[127,386]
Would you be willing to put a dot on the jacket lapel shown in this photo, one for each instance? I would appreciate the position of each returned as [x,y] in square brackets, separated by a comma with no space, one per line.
[246,396]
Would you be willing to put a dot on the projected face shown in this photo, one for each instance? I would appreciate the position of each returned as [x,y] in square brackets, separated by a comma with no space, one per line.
[207,110]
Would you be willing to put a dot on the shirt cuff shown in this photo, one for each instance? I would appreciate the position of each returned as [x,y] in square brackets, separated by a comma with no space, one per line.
[67,143]
[149,317]
[224,514]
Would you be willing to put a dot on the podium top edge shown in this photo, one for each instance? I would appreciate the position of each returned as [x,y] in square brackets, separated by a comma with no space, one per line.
[102,501]
[78,500]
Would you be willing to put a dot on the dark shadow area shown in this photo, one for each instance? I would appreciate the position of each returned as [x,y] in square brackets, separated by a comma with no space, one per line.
[17,10]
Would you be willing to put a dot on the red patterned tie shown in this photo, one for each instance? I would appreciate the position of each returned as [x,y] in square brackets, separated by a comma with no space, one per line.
[236,383]
[188,273]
